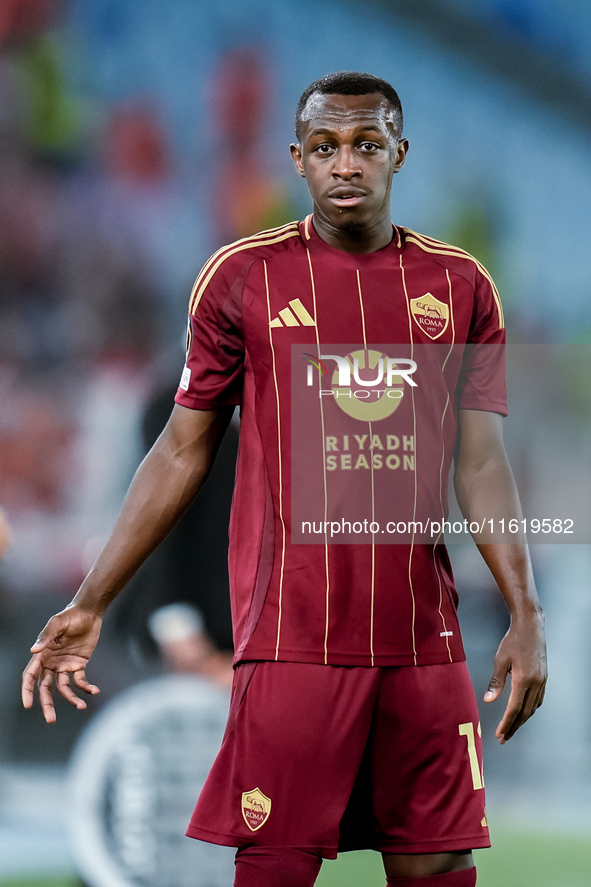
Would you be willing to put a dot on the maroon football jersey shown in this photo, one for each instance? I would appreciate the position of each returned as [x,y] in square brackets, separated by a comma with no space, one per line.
[349,371]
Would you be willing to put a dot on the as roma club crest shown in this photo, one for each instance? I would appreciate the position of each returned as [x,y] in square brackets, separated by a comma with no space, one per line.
[430,314]
[255,808]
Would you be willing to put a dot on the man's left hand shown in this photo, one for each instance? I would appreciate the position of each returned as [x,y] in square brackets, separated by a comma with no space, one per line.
[521,653]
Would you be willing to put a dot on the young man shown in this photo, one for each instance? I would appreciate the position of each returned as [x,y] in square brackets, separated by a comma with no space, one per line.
[353,722]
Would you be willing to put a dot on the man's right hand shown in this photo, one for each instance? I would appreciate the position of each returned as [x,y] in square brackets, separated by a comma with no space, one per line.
[62,649]
[164,486]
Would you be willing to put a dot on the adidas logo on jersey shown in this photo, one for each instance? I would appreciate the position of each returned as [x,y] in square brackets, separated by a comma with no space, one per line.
[294,315]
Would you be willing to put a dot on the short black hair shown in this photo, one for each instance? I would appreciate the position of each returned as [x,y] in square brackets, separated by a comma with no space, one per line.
[350,83]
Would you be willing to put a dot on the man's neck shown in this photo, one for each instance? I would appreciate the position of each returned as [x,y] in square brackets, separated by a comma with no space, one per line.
[355,239]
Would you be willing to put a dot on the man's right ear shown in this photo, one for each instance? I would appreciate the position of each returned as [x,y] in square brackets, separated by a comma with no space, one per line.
[296,154]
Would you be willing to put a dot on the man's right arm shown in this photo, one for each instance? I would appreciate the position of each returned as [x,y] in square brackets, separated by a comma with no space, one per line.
[164,486]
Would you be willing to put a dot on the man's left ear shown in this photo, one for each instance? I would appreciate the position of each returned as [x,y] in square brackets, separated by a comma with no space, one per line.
[401,152]
[296,154]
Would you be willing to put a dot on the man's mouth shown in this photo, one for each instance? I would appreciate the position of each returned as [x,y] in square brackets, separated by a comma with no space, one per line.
[346,196]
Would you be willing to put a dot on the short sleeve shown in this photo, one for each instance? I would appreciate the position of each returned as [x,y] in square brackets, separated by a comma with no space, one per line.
[482,384]
[213,372]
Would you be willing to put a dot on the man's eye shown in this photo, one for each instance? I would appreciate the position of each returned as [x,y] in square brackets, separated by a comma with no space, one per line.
[323,149]
[369,146]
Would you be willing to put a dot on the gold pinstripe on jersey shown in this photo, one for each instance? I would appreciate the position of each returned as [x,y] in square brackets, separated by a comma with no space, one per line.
[373,515]
[280,458]
[326,564]
[270,232]
[264,238]
[414,419]
[441,464]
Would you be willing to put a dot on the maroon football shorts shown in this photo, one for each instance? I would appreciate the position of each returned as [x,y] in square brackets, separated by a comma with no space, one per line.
[325,758]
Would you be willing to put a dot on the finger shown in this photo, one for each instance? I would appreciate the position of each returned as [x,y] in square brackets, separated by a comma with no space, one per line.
[527,709]
[30,675]
[537,699]
[514,707]
[45,697]
[43,641]
[496,684]
[63,685]
[83,684]
[531,703]
[533,700]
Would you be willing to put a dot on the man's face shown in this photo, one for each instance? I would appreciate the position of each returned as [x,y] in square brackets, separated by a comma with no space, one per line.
[348,154]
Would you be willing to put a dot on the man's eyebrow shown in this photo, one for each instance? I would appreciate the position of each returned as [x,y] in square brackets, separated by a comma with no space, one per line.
[326,130]
[321,130]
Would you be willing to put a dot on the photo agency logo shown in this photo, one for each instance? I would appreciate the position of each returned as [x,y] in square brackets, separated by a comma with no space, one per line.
[366,383]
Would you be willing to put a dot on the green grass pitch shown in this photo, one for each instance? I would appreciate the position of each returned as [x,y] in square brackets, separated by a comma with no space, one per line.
[518,859]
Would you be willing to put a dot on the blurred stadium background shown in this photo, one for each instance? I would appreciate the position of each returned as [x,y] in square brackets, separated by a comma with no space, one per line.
[135,139]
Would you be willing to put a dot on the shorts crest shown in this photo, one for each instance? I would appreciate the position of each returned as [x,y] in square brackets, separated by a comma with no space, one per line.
[256,808]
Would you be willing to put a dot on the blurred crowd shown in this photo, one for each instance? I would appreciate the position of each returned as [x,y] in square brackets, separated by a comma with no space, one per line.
[88,323]
[80,315]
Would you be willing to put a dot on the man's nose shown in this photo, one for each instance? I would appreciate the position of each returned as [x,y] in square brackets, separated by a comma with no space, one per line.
[346,163]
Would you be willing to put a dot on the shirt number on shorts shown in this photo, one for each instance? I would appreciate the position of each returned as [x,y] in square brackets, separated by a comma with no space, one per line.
[467,730]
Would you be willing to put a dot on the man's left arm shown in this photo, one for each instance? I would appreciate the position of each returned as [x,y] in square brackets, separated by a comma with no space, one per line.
[486,490]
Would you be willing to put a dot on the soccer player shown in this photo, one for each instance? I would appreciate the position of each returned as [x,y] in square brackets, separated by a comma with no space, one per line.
[353,722]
